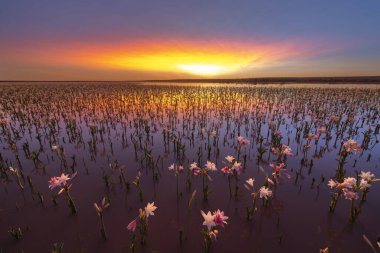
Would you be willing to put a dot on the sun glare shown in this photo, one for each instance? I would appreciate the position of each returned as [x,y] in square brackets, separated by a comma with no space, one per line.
[184,58]
[202,69]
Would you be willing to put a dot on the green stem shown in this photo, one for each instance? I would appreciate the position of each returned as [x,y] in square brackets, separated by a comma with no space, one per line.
[177,185]
[207,243]
[229,184]
[352,211]
[71,202]
[102,229]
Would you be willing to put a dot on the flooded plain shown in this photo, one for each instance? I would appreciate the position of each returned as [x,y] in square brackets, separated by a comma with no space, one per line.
[288,164]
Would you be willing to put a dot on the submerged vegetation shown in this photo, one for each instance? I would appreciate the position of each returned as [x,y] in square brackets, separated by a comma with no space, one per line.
[297,150]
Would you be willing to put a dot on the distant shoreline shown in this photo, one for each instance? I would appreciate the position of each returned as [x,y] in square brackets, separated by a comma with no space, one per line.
[263,80]
[284,80]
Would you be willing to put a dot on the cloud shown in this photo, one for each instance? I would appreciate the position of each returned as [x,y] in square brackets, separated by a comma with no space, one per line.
[163,57]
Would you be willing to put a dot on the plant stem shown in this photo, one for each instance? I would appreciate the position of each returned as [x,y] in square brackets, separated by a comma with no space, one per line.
[71,202]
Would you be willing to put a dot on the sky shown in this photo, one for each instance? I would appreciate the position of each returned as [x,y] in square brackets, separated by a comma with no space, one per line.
[167,39]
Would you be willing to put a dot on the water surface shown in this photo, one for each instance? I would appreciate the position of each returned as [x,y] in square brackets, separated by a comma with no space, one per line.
[96,124]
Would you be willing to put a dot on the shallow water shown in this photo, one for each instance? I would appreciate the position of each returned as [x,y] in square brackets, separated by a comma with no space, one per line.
[108,116]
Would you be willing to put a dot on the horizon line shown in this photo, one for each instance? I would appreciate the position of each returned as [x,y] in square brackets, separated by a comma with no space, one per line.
[375,79]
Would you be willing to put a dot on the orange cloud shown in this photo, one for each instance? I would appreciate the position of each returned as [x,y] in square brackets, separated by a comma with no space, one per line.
[197,57]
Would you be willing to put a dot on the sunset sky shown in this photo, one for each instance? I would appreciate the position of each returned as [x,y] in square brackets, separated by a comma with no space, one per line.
[162,39]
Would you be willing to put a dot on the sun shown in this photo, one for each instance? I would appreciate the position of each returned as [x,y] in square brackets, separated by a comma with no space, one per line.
[202,69]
